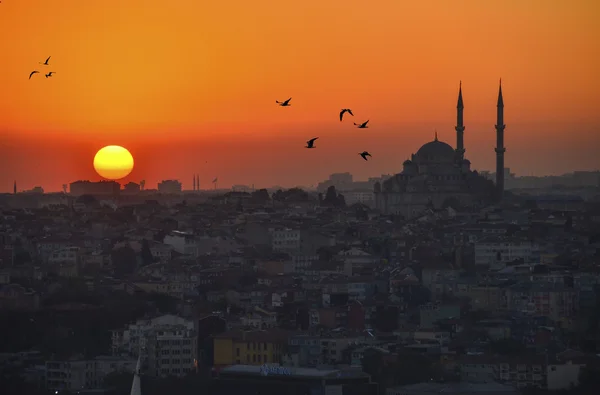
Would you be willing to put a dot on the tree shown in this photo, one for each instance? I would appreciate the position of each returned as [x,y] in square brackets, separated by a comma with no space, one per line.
[330,196]
[291,195]
[146,254]
[260,196]
[325,253]
[507,347]
[333,199]
[124,261]
[88,200]
[163,303]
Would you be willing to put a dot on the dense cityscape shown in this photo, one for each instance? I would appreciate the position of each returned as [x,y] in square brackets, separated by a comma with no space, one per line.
[252,198]
[320,291]
[437,279]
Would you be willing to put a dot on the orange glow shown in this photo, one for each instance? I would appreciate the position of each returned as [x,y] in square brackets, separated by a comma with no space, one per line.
[189,87]
[113,162]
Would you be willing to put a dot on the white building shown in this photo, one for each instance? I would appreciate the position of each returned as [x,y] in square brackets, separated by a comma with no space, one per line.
[260,319]
[171,350]
[366,197]
[77,374]
[563,376]
[182,242]
[357,256]
[285,239]
[495,250]
[129,340]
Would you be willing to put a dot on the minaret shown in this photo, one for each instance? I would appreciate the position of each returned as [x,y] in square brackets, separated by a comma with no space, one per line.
[197,182]
[460,128]
[15,187]
[500,150]
[194,183]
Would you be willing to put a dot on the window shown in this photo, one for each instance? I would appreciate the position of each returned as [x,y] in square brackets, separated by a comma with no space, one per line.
[254,358]
[265,358]
[265,346]
[237,352]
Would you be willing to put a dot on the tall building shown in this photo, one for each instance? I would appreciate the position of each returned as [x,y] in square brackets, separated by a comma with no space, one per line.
[437,176]
[169,344]
[172,350]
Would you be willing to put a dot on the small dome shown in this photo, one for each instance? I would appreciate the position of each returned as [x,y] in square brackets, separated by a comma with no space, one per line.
[407,162]
[436,149]
[466,162]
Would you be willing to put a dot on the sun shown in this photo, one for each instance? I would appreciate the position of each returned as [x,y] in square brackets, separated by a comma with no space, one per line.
[113,162]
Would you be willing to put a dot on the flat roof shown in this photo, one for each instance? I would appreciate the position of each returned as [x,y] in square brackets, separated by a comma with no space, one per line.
[257,370]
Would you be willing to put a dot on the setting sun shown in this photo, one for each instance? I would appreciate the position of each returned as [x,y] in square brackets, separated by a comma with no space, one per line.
[113,162]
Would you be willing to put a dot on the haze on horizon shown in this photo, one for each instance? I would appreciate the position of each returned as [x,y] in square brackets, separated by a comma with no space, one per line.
[190,88]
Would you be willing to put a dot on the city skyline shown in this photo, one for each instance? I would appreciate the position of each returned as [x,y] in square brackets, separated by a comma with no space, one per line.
[184,106]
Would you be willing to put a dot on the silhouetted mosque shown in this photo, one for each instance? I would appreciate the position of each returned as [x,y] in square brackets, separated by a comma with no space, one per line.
[438,175]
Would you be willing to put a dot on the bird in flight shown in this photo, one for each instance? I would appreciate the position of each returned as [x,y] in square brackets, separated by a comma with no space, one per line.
[46,62]
[364,155]
[32,73]
[49,74]
[311,143]
[284,103]
[345,110]
[362,125]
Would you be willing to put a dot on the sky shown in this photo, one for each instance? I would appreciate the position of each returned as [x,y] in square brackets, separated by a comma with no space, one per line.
[189,87]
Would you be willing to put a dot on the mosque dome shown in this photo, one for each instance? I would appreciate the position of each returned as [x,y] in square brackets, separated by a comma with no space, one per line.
[435,152]
[407,162]
[436,149]
[466,162]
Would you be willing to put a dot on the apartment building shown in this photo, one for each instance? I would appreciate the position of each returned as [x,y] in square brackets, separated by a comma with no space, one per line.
[131,339]
[297,241]
[182,242]
[171,350]
[557,373]
[519,371]
[78,374]
[553,300]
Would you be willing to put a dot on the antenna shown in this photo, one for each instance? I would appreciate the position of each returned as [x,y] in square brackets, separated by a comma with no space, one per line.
[142,184]
[64,188]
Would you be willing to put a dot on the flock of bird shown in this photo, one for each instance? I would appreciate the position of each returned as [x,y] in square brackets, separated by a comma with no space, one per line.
[311,143]
[46,63]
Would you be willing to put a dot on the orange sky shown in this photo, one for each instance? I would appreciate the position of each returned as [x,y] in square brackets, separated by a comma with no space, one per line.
[189,86]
